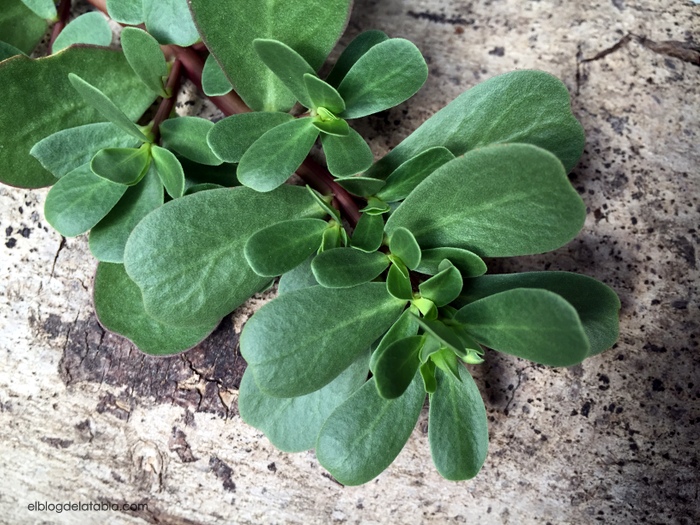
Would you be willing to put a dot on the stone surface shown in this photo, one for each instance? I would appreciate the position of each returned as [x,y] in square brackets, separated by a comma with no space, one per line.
[84,416]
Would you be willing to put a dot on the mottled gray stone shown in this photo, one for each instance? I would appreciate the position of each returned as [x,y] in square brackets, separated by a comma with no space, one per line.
[83,415]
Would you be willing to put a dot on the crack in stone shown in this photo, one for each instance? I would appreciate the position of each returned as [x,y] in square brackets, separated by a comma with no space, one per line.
[58,252]
[685,51]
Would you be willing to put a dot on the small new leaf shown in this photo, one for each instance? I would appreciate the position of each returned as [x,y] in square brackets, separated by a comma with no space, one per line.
[468,263]
[348,155]
[404,179]
[444,287]
[122,165]
[397,365]
[323,95]
[231,137]
[187,136]
[368,233]
[145,58]
[404,245]
[169,171]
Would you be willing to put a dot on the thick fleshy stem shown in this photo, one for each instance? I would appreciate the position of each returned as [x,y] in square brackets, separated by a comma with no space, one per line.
[314,174]
[63,11]
[166,105]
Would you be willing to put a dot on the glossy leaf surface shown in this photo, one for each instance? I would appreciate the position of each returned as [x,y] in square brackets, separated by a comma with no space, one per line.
[119,308]
[530,107]
[596,304]
[80,200]
[519,202]
[187,256]
[346,267]
[292,424]
[457,426]
[534,324]
[229,29]
[272,159]
[292,343]
[54,104]
[281,247]
[364,435]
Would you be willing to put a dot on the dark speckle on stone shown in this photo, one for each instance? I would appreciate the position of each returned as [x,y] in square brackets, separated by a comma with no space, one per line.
[272,467]
[680,304]
[222,471]
[586,409]
[657,385]
[605,382]
[497,51]
[620,4]
[685,249]
[25,232]
[11,242]
[8,231]
[654,348]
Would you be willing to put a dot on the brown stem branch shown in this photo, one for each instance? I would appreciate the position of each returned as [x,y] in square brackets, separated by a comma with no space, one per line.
[166,105]
[63,12]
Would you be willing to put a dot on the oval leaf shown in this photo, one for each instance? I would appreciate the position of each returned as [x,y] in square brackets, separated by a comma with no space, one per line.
[292,424]
[119,309]
[79,200]
[397,366]
[497,201]
[597,305]
[364,435]
[457,426]
[534,324]
[351,54]
[369,233]
[122,165]
[383,77]
[229,29]
[404,179]
[292,343]
[231,137]
[43,8]
[362,186]
[281,247]
[323,95]
[530,107]
[406,326]
[277,154]
[468,263]
[299,277]
[89,28]
[108,238]
[214,82]
[346,267]
[187,256]
[170,22]
[126,11]
[143,53]
[170,171]
[444,287]
[404,245]
[348,155]
[288,65]
[398,283]
[187,136]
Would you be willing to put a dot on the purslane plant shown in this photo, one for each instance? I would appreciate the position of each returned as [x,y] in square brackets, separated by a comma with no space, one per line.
[383,292]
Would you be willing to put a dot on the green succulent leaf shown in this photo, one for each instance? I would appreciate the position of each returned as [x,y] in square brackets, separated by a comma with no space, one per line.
[187,136]
[229,29]
[405,326]
[289,66]
[348,155]
[331,125]
[376,206]
[596,304]
[70,148]
[534,324]
[468,263]
[457,427]
[323,95]
[8,51]
[362,186]
[143,53]
[126,11]
[398,282]
[122,165]
[369,233]
[222,175]
[444,287]
[404,245]
[530,107]
[346,267]
[79,200]
[404,179]
[281,247]
[231,137]
[444,334]
[446,360]
[53,104]
[397,366]
[45,9]
[89,28]
[119,308]
[351,54]
[292,424]
[427,373]
[272,159]
[324,203]
[169,171]
[214,81]
[20,26]
[170,22]
[290,355]
[520,203]
[386,75]
[299,277]
[105,106]
[364,435]
[108,238]
[187,256]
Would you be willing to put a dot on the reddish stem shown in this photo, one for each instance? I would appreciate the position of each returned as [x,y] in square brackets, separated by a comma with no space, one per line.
[63,11]
[166,105]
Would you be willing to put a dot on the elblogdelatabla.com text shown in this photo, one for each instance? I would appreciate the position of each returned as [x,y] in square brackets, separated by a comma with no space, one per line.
[85,506]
